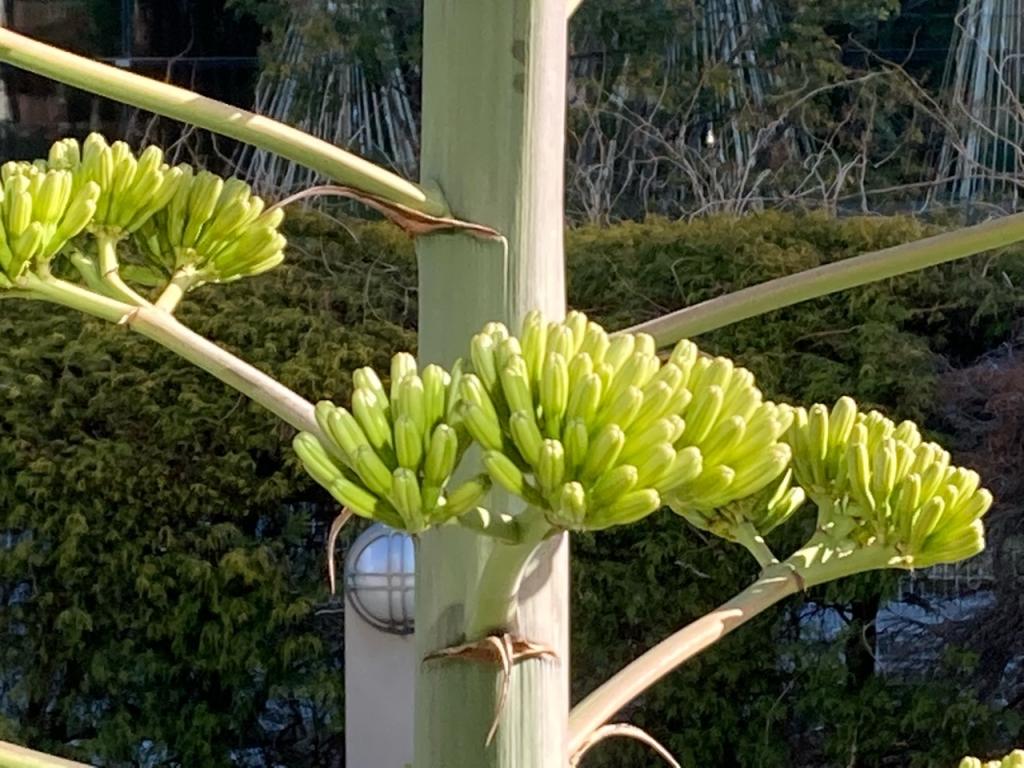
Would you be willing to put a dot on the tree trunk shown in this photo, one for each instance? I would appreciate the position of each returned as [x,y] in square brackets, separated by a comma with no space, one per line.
[493,137]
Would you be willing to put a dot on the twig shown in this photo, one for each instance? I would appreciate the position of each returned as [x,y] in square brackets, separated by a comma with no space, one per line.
[626,730]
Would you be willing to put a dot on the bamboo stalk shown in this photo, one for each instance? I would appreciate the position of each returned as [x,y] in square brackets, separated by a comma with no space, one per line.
[181,104]
[830,278]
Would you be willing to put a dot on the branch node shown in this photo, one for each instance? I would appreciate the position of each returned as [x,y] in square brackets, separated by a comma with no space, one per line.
[504,650]
[411,221]
[129,317]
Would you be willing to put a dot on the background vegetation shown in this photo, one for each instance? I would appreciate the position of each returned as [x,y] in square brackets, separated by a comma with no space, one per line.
[161,561]
[842,105]
[695,106]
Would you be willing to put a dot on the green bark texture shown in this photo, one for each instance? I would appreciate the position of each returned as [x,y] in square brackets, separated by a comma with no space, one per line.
[493,134]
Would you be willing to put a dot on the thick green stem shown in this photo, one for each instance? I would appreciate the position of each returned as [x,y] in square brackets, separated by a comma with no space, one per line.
[106,248]
[190,107]
[88,271]
[162,328]
[13,756]
[599,707]
[503,527]
[747,535]
[75,297]
[175,291]
[495,606]
[821,281]
[494,74]
[820,561]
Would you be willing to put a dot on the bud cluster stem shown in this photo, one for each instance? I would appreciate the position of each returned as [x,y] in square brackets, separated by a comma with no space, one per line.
[822,560]
[494,607]
[175,291]
[496,525]
[107,251]
[754,543]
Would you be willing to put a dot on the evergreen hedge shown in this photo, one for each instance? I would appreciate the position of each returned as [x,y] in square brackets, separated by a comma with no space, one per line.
[161,564]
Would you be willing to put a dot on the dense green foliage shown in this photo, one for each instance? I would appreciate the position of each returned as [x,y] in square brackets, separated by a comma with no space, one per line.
[161,579]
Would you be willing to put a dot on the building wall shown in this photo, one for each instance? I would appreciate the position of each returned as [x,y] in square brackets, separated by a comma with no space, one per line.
[380,679]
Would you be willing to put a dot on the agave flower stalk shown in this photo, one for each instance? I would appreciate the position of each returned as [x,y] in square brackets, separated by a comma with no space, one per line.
[886,499]
[131,188]
[512,55]
[210,230]
[708,444]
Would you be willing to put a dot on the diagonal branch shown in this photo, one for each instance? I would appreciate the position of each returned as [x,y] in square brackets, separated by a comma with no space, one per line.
[163,328]
[13,756]
[633,679]
[830,278]
[190,107]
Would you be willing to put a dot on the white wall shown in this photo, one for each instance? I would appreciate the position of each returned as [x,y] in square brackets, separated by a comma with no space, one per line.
[380,675]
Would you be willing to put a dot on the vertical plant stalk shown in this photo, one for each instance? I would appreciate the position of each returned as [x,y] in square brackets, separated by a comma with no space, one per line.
[493,135]
[163,328]
[600,706]
[830,278]
[190,107]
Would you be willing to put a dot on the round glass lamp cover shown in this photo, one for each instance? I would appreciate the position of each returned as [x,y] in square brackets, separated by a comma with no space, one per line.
[380,578]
